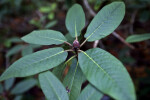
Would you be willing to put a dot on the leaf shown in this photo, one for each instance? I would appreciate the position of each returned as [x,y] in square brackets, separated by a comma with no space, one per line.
[90,93]
[138,38]
[52,87]
[27,50]
[51,24]
[44,37]
[9,83]
[18,97]
[106,21]
[75,20]
[73,80]
[35,63]
[24,86]
[14,50]
[107,74]
[59,71]
[1,88]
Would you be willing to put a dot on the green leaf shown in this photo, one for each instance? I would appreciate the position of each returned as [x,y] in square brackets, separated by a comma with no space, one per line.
[59,71]
[27,50]
[24,86]
[90,93]
[106,21]
[75,20]
[14,50]
[44,37]
[138,37]
[73,80]
[18,97]
[35,63]
[9,83]
[52,87]
[1,88]
[107,74]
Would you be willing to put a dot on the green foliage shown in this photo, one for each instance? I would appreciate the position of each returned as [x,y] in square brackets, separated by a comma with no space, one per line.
[44,37]
[9,83]
[33,64]
[105,73]
[24,86]
[90,93]
[75,20]
[138,37]
[106,21]
[52,87]
[106,69]
[73,80]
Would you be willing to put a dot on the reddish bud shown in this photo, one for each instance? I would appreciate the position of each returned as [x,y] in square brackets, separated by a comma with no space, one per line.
[76,44]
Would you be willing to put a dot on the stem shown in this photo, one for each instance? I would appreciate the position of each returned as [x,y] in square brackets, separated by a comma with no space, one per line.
[69,50]
[70,59]
[68,43]
[83,42]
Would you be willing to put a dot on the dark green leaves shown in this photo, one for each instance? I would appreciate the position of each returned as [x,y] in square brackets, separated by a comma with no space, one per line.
[107,74]
[106,21]
[35,63]
[44,37]
[52,87]
[138,37]
[75,20]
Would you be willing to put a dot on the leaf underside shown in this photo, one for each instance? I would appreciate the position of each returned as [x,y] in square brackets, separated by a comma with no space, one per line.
[35,63]
[106,21]
[107,74]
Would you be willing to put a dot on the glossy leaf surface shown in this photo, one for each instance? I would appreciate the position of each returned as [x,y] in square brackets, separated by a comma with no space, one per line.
[106,21]
[35,63]
[107,74]
[75,20]
[52,87]
[44,37]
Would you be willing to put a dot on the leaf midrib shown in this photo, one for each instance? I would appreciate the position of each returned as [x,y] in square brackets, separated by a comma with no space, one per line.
[52,38]
[73,77]
[103,21]
[44,58]
[103,71]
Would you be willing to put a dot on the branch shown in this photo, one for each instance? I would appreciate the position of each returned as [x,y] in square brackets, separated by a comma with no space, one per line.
[92,13]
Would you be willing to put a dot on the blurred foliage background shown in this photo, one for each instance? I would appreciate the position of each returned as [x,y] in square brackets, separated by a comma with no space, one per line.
[20,17]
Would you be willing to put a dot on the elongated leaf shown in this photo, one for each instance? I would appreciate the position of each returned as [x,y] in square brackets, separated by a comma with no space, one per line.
[44,37]
[75,20]
[24,86]
[35,63]
[90,93]
[18,97]
[52,87]
[27,50]
[59,70]
[107,74]
[138,37]
[1,88]
[106,21]
[9,83]
[73,80]
[14,50]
